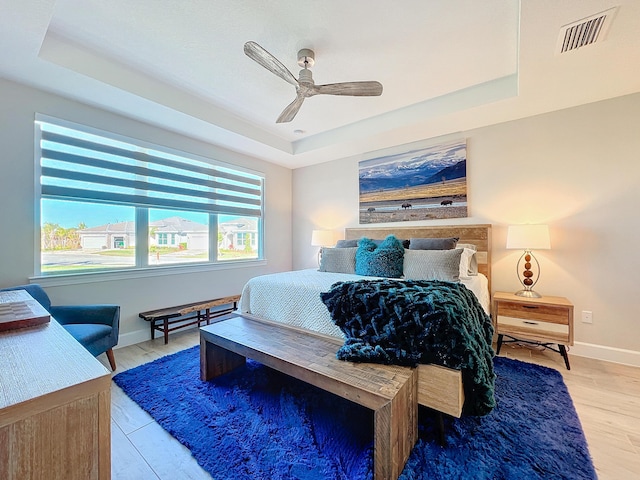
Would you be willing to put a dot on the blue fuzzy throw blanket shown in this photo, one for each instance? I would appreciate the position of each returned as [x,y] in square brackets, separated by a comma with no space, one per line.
[407,322]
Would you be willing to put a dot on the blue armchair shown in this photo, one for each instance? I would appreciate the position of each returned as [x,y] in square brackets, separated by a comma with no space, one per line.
[94,326]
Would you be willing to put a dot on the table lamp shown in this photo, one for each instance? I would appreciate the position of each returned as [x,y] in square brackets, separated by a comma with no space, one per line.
[321,238]
[528,238]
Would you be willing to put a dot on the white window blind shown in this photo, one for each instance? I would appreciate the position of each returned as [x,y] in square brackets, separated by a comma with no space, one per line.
[83,166]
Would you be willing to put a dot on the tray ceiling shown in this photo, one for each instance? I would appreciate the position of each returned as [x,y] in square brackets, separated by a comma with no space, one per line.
[446,66]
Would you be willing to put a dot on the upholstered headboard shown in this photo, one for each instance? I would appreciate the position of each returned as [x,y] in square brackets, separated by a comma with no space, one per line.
[479,235]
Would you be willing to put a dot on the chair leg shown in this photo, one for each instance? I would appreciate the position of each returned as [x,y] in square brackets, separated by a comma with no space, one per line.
[112,359]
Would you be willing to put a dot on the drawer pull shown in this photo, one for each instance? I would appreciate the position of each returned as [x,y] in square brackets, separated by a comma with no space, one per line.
[530,323]
[532,307]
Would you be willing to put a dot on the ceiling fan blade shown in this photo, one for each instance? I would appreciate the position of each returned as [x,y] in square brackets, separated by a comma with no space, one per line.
[292,109]
[258,54]
[357,89]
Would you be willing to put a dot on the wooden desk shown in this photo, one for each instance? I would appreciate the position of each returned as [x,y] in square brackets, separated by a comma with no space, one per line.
[55,407]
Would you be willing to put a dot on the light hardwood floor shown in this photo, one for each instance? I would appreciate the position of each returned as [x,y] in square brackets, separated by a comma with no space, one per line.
[606,397]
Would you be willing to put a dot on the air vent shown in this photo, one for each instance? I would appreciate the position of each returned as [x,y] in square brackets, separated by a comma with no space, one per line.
[585,32]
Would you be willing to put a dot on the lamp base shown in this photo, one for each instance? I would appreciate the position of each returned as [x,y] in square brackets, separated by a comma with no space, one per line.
[528,294]
[530,278]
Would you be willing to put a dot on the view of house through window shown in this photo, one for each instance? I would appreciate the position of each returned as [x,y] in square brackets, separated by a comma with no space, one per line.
[237,238]
[178,237]
[108,204]
[77,236]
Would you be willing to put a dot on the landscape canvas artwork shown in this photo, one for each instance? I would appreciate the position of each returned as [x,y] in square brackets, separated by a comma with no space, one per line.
[425,184]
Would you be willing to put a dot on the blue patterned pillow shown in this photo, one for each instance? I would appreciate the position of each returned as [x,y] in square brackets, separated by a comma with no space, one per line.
[384,260]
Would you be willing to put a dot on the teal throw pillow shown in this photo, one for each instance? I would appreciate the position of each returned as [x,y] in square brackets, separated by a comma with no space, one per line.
[384,260]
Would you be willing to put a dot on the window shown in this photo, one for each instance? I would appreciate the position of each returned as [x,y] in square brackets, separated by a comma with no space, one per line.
[237,237]
[108,202]
[80,236]
[178,237]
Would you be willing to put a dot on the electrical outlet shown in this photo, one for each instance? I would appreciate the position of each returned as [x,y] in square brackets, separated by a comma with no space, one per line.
[587,316]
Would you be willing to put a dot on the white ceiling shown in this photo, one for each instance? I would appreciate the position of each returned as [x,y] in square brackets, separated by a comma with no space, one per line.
[446,65]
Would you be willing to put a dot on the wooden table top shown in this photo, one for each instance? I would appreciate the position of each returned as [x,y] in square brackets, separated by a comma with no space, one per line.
[38,360]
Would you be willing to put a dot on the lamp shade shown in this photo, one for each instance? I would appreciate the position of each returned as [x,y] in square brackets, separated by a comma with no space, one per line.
[321,238]
[528,237]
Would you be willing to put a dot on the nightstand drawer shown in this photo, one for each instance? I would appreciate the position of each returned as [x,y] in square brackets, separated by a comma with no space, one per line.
[536,313]
[533,329]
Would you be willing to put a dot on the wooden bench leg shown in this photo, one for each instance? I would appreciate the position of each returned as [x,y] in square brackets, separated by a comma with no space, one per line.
[396,431]
[440,424]
[216,361]
[165,326]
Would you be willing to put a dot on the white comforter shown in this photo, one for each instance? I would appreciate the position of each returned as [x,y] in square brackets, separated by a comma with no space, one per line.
[294,297]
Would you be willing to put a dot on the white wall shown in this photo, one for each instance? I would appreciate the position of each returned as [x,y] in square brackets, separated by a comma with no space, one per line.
[18,106]
[577,170]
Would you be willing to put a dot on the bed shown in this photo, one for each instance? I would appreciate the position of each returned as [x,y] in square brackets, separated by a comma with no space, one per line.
[293,298]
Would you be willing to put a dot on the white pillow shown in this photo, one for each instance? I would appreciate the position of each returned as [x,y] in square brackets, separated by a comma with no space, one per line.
[468,263]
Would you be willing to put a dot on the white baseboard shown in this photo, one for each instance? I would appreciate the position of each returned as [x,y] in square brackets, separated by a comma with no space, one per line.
[131,338]
[608,354]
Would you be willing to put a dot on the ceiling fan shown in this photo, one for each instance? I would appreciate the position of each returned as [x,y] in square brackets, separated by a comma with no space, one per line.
[305,87]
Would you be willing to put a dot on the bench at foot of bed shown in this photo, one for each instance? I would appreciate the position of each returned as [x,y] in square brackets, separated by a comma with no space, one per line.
[440,388]
[390,391]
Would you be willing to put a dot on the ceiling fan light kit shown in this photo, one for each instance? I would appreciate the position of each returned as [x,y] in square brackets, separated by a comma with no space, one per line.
[305,86]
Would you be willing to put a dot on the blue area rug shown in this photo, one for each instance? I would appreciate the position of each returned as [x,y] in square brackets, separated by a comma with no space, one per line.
[256,423]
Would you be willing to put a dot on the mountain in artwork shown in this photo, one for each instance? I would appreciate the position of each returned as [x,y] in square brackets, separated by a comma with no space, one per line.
[422,174]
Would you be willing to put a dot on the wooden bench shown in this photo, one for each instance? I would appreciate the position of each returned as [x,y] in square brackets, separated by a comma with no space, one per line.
[390,391]
[168,319]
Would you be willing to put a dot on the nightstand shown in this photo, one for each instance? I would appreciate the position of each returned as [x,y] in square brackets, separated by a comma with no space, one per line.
[545,321]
